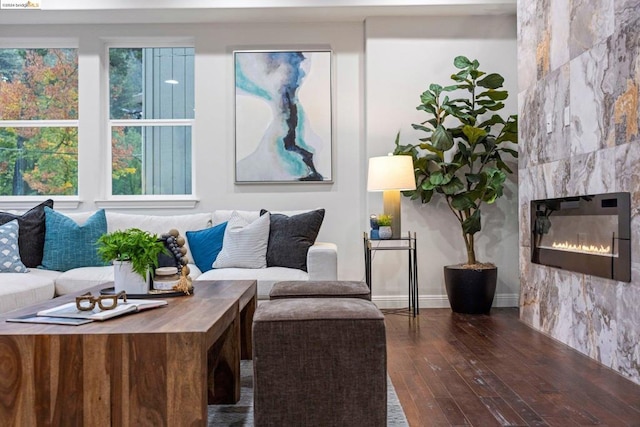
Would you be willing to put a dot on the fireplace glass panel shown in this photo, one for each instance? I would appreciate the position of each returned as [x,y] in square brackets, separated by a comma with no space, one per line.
[591,234]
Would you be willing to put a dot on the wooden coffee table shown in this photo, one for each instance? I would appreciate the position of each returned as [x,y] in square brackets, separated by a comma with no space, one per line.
[159,367]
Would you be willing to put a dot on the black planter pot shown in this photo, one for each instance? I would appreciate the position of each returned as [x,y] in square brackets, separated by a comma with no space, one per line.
[470,291]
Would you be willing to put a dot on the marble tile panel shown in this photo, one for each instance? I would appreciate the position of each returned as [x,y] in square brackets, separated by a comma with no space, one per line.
[593,173]
[527,30]
[592,21]
[556,296]
[556,179]
[524,199]
[546,99]
[628,180]
[543,38]
[555,98]
[559,18]
[628,320]
[626,12]
[595,311]
[523,137]
[529,301]
[592,86]
[530,126]
[625,52]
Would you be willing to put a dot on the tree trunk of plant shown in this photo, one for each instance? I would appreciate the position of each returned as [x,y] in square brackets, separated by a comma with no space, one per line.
[471,251]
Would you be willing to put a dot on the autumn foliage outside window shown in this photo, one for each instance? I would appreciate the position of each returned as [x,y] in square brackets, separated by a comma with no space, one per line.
[38,121]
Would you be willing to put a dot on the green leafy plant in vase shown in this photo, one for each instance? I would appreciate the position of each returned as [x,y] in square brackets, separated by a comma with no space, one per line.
[132,249]
[462,155]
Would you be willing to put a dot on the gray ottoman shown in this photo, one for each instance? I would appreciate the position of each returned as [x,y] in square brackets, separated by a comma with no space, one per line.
[320,289]
[319,362]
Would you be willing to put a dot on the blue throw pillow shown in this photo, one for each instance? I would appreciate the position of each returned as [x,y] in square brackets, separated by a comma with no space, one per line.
[9,253]
[206,245]
[68,245]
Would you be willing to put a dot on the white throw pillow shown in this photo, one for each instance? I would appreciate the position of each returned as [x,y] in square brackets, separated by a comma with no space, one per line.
[245,243]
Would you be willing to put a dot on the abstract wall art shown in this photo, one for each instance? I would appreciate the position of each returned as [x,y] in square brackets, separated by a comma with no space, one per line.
[283,116]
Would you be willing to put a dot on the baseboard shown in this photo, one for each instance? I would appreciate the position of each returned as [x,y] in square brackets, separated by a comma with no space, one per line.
[438,301]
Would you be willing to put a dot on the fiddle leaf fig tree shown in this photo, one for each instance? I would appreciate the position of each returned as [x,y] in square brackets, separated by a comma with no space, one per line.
[462,153]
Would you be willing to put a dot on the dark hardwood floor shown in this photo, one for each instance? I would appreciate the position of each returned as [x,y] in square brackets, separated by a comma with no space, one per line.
[451,369]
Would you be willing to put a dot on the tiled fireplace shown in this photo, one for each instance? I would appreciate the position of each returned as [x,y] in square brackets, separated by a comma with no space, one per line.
[587,234]
[579,134]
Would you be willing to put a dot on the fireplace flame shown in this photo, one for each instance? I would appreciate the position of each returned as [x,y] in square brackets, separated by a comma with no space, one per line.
[592,249]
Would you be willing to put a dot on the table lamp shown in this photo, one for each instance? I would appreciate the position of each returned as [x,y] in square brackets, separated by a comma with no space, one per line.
[391,174]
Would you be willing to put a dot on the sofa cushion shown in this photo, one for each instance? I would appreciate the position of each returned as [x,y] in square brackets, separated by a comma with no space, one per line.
[68,245]
[265,277]
[206,245]
[290,238]
[223,215]
[159,224]
[9,251]
[245,244]
[19,290]
[78,279]
[32,230]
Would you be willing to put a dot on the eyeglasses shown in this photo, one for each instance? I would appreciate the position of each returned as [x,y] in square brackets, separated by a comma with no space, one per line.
[88,302]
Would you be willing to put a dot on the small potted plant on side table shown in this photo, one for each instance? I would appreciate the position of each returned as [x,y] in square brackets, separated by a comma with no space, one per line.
[384,222]
[133,253]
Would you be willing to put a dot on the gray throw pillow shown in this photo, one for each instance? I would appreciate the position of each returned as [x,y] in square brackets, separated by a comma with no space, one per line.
[32,231]
[290,238]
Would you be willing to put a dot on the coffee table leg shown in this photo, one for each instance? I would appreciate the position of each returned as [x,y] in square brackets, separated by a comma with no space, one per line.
[223,380]
[246,324]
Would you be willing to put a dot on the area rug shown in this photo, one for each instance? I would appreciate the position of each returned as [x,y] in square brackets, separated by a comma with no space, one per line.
[241,414]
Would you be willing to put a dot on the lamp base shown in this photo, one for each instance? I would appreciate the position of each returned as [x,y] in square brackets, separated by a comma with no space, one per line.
[391,206]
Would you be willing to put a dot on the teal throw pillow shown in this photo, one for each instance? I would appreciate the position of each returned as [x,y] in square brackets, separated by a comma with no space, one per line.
[206,245]
[68,245]
[9,252]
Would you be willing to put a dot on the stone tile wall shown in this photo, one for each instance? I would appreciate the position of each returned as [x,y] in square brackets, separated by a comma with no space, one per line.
[583,55]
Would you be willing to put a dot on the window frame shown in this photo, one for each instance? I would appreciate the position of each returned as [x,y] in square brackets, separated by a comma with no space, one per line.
[142,200]
[17,201]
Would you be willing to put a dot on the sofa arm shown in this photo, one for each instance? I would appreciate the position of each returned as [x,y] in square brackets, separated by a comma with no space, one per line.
[322,261]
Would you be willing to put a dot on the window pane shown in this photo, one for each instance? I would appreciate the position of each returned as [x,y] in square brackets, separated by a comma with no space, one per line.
[151,160]
[151,83]
[38,84]
[38,161]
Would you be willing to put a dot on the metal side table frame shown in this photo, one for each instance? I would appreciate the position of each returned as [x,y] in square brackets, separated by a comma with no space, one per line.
[407,243]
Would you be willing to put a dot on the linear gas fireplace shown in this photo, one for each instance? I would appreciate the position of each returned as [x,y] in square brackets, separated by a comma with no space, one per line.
[589,234]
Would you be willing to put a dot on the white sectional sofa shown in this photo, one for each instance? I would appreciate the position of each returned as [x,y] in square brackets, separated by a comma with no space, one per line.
[22,289]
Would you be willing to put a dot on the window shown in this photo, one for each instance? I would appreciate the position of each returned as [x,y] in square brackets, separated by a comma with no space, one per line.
[151,112]
[38,121]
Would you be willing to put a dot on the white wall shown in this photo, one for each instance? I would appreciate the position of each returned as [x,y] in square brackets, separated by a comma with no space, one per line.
[403,56]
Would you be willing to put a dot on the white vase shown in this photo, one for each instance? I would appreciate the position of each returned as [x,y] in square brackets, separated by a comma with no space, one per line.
[125,279]
[384,232]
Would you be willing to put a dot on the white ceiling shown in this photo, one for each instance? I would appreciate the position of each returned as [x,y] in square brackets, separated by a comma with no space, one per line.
[201,11]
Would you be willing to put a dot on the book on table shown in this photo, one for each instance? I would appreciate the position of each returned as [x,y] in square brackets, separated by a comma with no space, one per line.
[70,310]
[34,318]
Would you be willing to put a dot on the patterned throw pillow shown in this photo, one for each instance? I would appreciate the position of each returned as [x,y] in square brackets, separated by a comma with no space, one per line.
[244,244]
[68,245]
[31,239]
[9,252]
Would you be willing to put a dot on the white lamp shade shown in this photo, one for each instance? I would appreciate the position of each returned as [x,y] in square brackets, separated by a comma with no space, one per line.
[391,173]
